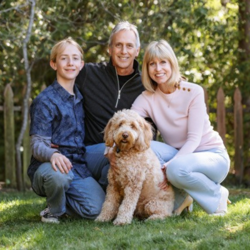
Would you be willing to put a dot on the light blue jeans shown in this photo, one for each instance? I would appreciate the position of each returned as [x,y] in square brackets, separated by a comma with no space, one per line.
[68,193]
[198,174]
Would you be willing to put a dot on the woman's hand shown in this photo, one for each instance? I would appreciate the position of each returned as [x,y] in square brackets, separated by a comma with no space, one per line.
[61,162]
[164,184]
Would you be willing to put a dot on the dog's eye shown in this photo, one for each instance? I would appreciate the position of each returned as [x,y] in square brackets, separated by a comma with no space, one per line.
[120,124]
[132,126]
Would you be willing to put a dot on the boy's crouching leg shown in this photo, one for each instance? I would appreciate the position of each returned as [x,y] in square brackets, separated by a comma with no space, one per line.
[85,197]
[53,185]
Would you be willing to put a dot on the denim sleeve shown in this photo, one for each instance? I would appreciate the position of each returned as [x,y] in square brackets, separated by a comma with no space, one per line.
[41,148]
[42,114]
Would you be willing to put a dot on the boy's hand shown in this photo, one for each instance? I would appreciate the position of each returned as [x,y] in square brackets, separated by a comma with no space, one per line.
[61,162]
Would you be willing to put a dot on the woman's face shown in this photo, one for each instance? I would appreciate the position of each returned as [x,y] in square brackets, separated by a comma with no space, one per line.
[159,70]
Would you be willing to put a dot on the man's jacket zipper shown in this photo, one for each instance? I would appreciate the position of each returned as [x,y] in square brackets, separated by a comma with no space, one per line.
[120,90]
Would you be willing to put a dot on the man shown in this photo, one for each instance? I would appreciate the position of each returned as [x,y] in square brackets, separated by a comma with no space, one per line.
[106,88]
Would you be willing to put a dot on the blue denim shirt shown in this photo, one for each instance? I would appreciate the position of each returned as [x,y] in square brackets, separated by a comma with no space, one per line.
[57,114]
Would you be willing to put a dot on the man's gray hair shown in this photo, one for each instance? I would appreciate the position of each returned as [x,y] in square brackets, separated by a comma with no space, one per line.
[125,25]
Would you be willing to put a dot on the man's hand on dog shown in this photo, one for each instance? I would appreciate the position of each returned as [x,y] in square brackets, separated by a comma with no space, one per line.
[111,157]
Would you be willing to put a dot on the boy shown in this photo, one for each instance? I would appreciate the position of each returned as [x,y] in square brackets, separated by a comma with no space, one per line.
[58,170]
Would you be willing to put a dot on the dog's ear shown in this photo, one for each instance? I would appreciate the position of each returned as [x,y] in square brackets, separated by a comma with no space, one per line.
[145,137]
[108,134]
[148,133]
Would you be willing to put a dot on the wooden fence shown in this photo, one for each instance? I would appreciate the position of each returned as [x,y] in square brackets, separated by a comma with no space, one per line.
[9,137]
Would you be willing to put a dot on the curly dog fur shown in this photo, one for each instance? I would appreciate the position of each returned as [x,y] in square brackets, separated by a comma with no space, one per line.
[133,186]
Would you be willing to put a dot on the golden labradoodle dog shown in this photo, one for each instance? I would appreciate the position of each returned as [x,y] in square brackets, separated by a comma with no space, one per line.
[134,184]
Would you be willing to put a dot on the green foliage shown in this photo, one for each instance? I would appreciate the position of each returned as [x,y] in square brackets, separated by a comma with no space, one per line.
[21,228]
[204,34]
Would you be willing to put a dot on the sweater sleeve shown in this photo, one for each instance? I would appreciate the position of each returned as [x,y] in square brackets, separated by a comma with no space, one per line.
[42,116]
[80,79]
[140,106]
[41,148]
[196,119]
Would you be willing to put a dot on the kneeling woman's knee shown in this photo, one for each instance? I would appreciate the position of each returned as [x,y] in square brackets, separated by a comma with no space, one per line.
[175,171]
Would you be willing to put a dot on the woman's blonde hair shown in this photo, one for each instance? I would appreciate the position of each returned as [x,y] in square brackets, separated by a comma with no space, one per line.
[60,46]
[160,50]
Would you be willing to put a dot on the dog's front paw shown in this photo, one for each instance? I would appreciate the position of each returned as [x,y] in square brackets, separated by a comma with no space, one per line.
[119,221]
[101,218]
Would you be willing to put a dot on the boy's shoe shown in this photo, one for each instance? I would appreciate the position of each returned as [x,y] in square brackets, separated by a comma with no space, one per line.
[47,217]
[45,211]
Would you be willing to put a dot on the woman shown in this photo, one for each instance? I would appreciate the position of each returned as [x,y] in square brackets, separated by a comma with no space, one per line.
[178,109]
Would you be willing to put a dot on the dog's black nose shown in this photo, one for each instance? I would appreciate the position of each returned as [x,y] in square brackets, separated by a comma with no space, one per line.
[125,135]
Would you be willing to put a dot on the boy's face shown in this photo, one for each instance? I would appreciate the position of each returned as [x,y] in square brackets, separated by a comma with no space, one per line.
[68,64]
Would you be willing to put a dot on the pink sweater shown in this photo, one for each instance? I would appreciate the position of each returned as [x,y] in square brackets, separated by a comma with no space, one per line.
[180,117]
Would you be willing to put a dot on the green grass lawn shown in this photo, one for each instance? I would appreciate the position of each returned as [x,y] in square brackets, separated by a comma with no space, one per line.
[20,228]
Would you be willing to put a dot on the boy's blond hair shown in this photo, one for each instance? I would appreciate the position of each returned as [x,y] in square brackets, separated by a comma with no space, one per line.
[58,47]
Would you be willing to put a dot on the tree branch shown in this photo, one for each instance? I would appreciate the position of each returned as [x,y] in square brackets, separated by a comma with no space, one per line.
[26,98]
[17,8]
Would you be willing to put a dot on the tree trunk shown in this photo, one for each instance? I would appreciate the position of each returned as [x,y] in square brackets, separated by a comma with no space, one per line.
[19,171]
[244,29]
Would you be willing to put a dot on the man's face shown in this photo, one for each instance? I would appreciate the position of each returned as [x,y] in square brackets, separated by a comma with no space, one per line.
[123,51]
